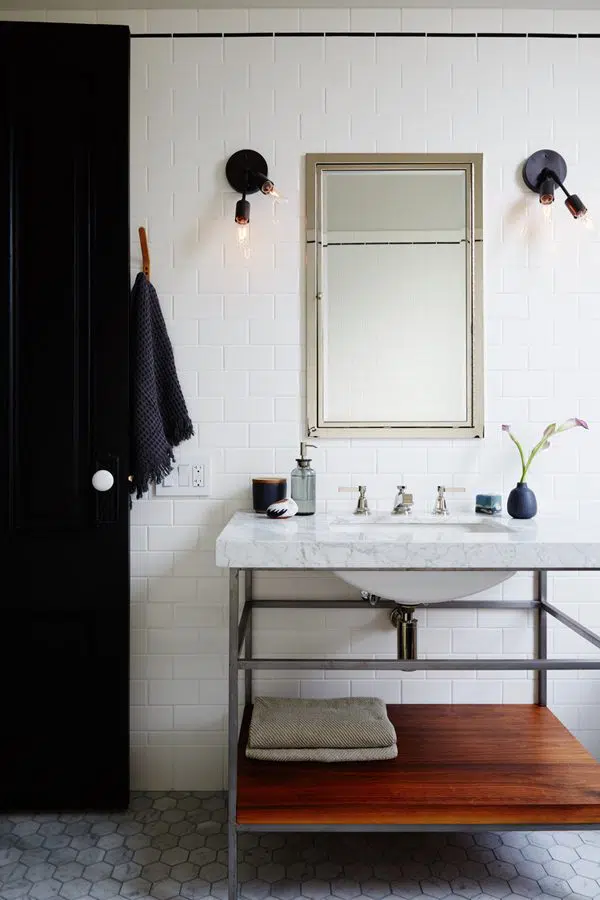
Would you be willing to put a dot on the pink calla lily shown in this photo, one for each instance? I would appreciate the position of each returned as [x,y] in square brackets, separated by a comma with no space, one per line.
[573,423]
[543,443]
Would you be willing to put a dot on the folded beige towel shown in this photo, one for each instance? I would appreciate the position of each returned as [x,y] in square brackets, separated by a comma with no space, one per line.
[324,754]
[343,729]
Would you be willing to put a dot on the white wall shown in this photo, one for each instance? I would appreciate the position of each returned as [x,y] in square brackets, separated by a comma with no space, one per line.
[237,328]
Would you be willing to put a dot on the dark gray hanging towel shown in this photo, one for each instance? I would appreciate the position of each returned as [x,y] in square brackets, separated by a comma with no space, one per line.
[159,415]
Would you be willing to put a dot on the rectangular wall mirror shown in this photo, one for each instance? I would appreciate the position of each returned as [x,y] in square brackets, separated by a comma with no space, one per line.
[394,295]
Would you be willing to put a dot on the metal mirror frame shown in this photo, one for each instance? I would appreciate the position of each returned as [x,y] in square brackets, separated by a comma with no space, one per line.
[472,165]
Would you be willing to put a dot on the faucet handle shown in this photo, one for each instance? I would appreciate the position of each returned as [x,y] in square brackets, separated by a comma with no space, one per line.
[362,507]
[403,502]
[407,498]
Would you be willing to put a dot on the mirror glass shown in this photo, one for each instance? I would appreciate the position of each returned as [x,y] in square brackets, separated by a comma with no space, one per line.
[394,309]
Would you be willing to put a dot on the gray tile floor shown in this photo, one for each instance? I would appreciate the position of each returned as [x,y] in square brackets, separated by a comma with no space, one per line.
[174,845]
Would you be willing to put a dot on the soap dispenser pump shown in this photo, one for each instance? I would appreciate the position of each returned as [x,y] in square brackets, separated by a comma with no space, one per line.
[303,483]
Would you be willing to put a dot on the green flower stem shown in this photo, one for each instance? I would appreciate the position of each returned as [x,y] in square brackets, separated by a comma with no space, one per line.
[532,456]
[521,454]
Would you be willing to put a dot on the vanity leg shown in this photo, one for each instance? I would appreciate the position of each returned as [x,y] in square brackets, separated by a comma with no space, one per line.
[542,637]
[248,645]
[232,733]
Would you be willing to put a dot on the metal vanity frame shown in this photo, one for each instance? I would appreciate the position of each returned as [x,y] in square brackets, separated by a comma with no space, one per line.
[241,659]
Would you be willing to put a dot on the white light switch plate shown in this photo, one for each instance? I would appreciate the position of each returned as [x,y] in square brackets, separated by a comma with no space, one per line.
[190,477]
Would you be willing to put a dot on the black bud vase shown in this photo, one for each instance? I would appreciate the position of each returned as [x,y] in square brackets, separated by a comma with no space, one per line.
[521,502]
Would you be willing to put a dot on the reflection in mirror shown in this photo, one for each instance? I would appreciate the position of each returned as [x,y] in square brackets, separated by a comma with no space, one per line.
[394,338]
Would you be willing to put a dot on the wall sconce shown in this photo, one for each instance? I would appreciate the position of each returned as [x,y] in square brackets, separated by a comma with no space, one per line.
[545,170]
[247,173]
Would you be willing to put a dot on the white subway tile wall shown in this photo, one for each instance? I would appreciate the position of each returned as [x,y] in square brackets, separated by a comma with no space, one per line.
[237,327]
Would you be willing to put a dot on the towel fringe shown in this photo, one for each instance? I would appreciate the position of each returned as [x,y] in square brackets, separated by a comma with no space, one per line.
[154,476]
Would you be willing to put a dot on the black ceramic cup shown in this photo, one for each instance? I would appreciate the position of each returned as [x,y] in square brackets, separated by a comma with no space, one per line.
[267,490]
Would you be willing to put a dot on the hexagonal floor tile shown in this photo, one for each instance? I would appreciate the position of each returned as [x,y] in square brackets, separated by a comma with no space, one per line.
[213,872]
[195,889]
[127,871]
[155,872]
[273,872]
[585,887]
[285,889]
[165,802]
[555,887]
[40,872]
[136,889]
[146,856]
[165,889]
[525,887]
[97,872]
[174,856]
[105,889]
[465,887]
[495,887]
[171,844]
[563,853]
[68,871]
[76,889]
[405,888]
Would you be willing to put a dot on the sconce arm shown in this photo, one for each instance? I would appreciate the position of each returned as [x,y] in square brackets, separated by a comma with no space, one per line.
[549,173]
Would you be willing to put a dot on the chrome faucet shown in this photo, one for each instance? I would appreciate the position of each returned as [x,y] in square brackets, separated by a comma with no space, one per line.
[403,502]
[441,507]
[362,507]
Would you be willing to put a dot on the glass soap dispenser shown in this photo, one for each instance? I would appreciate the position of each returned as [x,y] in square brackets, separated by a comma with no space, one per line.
[303,479]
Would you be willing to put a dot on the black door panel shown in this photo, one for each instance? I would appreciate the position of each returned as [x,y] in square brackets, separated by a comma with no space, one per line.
[64,295]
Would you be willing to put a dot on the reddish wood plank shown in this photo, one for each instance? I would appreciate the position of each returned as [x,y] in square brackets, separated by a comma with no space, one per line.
[457,764]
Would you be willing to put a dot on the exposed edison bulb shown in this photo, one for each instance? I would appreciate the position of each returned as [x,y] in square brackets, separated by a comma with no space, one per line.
[243,239]
[588,222]
[277,196]
[271,191]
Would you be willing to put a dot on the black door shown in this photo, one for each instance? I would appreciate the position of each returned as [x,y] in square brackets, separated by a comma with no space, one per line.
[64,292]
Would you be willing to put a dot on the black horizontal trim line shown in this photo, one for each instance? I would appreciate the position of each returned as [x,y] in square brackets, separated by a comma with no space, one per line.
[254,34]
[542,34]
[387,243]
[351,34]
[299,34]
[204,34]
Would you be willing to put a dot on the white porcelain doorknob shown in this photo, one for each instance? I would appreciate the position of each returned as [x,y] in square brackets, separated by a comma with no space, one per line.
[102,480]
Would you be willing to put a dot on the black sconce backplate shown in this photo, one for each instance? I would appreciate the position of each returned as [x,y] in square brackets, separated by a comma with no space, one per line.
[244,169]
[538,162]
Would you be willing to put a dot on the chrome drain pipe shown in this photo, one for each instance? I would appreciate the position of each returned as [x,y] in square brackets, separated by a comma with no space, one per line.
[402,618]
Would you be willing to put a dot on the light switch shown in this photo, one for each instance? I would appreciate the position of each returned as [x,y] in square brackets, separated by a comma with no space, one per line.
[190,477]
[170,480]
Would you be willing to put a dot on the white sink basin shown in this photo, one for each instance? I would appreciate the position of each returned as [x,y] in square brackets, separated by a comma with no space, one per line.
[465,523]
[411,588]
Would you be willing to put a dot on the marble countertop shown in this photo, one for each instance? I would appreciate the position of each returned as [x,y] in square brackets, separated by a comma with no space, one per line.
[460,541]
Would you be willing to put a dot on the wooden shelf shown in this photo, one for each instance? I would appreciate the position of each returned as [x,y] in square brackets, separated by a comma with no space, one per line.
[456,765]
